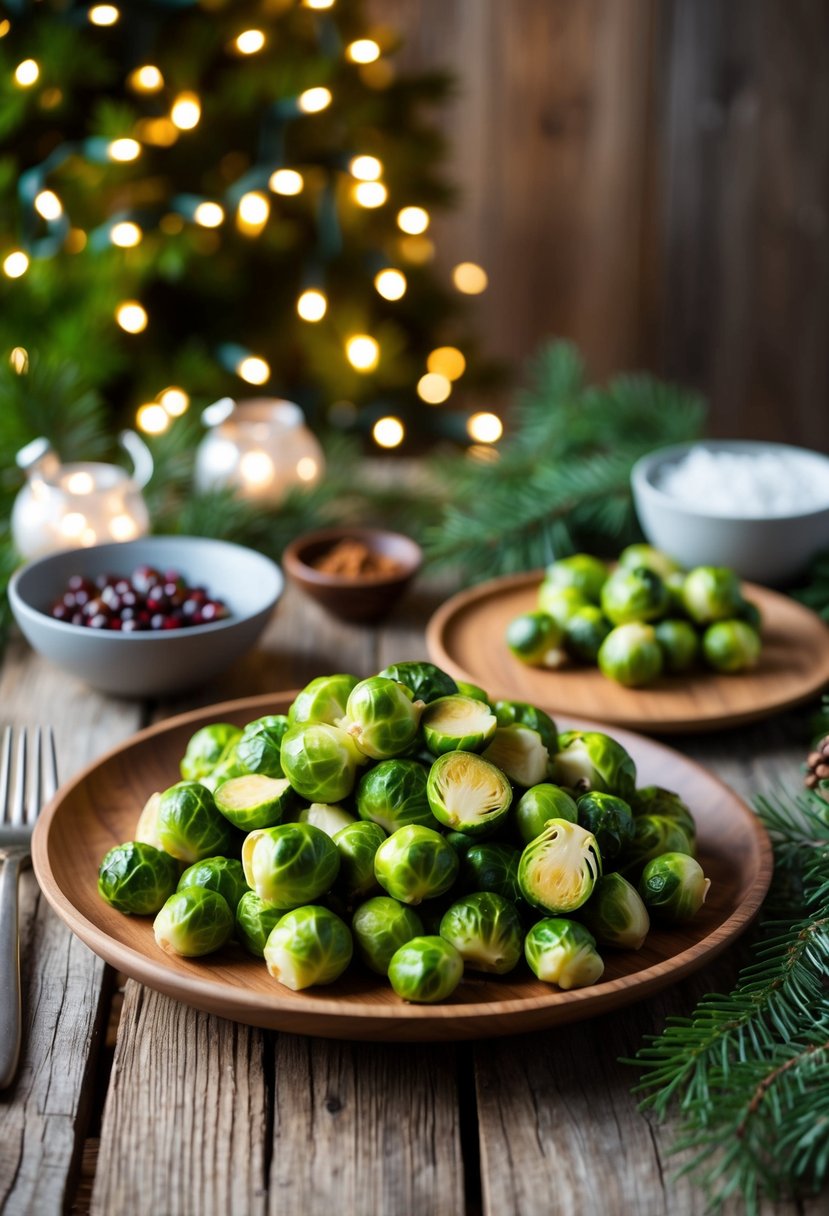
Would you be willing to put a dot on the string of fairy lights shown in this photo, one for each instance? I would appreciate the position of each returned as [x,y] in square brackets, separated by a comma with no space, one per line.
[248,205]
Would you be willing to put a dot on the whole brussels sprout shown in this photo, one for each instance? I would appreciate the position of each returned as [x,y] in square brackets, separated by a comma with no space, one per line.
[467,793]
[730,646]
[415,863]
[654,835]
[751,614]
[585,573]
[584,633]
[471,690]
[675,586]
[194,921]
[519,752]
[425,970]
[510,713]
[636,556]
[380,927]
[258,749]
[393,794]
[228,766]
[189,826]
[457,723]
[560,602]
[535,638]
[538,805]
[486,931]
[146,829]
[222,874]
[655,800]
[329,818]
[634,595]
[615,913]
[679,643]
[492,867]
[563,952]
[357,844]
[711,593]
[320,761]
[310,945]
[205,749]
[290,864]
[425,681]
[631,655]
[137,878]
[254,920]
[609,819]
[382,717]
[591,760]
[322,700]
[558,870]
[254,801]
[673,888]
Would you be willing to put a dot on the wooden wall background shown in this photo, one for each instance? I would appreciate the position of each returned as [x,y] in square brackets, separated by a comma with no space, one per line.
[651,179]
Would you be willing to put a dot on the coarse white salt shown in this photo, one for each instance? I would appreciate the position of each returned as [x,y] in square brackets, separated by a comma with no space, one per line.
[771,482]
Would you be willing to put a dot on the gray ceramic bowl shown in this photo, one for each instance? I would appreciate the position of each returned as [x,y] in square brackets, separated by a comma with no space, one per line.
[149,664]
[771,549]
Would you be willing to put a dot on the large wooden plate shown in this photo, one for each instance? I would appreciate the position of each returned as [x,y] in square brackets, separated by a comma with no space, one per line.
[100,808]
[466,637]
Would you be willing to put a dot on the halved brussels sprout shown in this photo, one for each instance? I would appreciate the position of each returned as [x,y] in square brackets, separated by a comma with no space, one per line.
[509,713]
[310,945]
[425,970]
[188,824]
[615,913]
[587,574]
[679,643]
[492,867]
[137,878]
[560,602]
[320,761]
[415,863]
[654,835]
[584,633]
[591,760]
[486,931]
[206,748]
[329,818]
[194,921]
[258,749]
[357,844]
[563,952]
[471,690]
[290,864]
[222,874]
[322,700]
[425,681]
[457,723]
[730,646]
[146,830]
[254,801]
[634,556]
[631,655]
[467,793]
[634,595]
[538,805]
[381,926]
[535,638]
[382,717]
[610,819]
[655,800]
[519,752]
[558,870]
[254,920]
[393,794]
[711,593]
[673,887]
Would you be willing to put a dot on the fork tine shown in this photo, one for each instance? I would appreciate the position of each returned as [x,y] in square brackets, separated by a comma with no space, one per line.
[50,767]
[5,771]
[19,791]
[33,802]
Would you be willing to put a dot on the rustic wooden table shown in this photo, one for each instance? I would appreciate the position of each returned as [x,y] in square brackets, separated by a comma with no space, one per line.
[128,1103]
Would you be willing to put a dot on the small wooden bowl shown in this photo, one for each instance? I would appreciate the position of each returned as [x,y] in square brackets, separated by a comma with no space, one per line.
[359,598]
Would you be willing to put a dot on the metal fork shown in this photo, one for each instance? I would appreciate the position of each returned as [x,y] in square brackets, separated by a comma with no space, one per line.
[24,788]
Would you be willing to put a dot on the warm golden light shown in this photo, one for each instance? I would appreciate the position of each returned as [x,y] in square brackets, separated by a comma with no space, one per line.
[48,205]
[253,369]
[50,98]
[19,360]
[366,168]
[76,240]
[307,469]
[186,111]
[73,524]
[5,26]
[175,401]
[146,79]
[470,278]
[15,264]
[318,3]
[286,181]
[447,361]
[413,220]
[362,352]
[171,224]
[250,41]
[485,427]
[26,73]
[256,468]
[152,419]
[312,305]
[131,316]
[252,214]
[80,482]
[483,453]
[388,432]
[209,215]
[314,100]
[416,249]
[124,149]
[362,50]
[160,132]
[125,234]
[103,14]
[391,284]
[370,194]
[123,527]
[433,388]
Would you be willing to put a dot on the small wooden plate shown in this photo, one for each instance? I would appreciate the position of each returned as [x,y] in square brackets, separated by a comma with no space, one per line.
[100,807]
[466,637]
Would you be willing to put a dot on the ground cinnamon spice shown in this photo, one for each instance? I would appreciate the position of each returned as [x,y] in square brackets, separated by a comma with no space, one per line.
[354,559]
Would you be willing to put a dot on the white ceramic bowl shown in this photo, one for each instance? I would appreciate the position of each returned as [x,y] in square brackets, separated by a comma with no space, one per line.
[149,664]
[771,549]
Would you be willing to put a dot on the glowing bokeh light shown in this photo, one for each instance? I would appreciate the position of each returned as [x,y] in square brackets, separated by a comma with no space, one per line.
[413,220]
[125,234]
[362,50]
[152,418]
[391,284]
[485,427]
[433,388]
[286,181]
[146,79]
[15,263]
[470,278]
[366,168]
[370,194]
[388,432]
[103,14]
[132,317]
[314,100]
[209,215]
[253,369]
[186,111]
[48,205]
[312,305]
[26,73]
[362,352]
[175,401]
[250,41]
[447,361]
[125,149]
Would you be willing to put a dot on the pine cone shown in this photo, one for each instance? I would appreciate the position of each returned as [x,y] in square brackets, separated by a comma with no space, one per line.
[817,769]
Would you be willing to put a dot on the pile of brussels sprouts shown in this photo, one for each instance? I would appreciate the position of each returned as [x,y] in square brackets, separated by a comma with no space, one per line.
[409,821]
[642,618]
